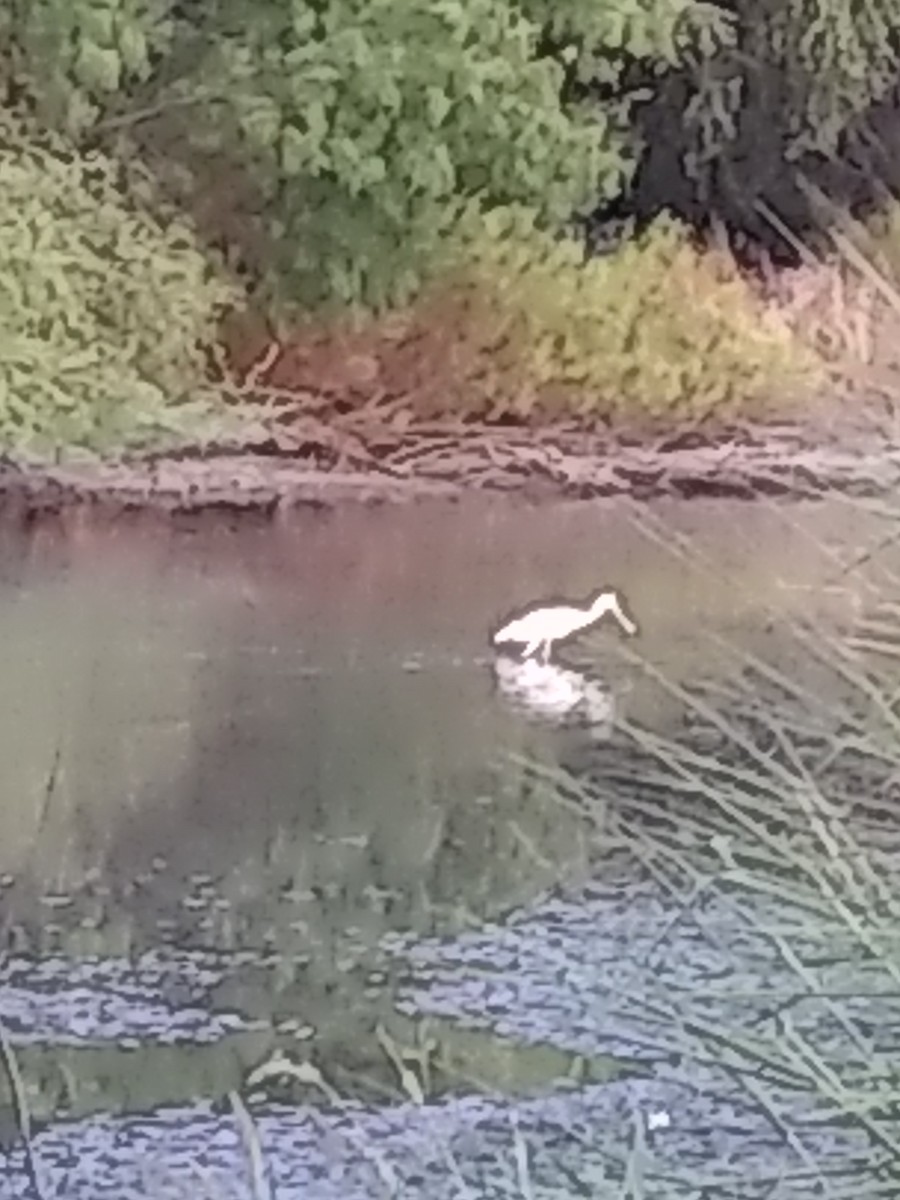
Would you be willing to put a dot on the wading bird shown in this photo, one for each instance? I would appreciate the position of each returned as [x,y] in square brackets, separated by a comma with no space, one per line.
[541,627]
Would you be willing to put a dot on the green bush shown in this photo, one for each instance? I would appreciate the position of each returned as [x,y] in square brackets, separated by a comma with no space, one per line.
[74,57]
[104,307]
[658,329]
[368,122]
[355,130]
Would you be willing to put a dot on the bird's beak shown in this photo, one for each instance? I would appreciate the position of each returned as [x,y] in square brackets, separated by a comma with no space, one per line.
[625,621]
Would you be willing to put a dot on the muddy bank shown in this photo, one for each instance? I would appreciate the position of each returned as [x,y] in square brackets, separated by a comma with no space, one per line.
[317,465]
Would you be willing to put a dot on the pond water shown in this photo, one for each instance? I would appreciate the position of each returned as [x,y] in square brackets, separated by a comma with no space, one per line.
[224,733]
[292,738]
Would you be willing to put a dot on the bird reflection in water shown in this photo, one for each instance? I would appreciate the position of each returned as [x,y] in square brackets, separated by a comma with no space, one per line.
[558,694]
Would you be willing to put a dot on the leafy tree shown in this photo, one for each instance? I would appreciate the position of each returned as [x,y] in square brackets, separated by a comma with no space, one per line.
[71,57]
[367,124]
[373,121]
[601,41]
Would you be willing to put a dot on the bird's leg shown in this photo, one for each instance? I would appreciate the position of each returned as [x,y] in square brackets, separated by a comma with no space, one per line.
[545,653]
[530,649]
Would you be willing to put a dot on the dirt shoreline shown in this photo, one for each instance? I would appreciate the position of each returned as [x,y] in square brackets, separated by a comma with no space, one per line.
[452,460]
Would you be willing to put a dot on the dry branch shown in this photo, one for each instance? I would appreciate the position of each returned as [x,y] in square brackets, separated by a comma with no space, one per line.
[309,460]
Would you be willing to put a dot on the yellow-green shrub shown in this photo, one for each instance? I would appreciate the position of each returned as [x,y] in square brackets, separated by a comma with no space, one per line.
[105,305]
[659,328]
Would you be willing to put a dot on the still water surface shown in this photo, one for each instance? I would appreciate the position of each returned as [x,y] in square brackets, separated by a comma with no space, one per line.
[290,742]
[217,732]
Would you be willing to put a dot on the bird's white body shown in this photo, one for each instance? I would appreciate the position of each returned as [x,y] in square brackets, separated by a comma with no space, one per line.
[541,627]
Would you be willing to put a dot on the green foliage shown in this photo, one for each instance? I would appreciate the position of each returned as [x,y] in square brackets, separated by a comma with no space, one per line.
[599,39]
[658,329]
[396,143]
[839,58]
[367,125]
[799,73]
[370,121]
[72,56]
[103,306]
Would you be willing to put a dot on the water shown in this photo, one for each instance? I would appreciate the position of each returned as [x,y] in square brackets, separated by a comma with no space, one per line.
[203,719]
[291,740]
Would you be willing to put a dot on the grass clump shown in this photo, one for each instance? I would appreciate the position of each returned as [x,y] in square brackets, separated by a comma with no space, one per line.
[105,305]
[767,823]
[756,847]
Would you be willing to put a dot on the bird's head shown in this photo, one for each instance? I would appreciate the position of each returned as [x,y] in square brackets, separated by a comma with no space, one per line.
[609,601]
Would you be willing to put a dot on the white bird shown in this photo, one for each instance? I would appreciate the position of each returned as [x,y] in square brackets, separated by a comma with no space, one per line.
[541,627]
